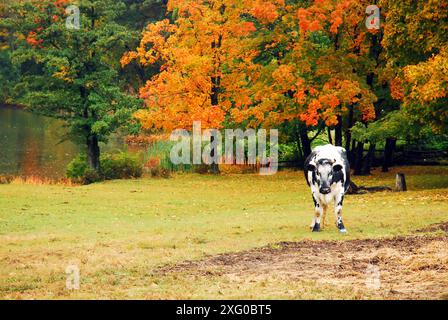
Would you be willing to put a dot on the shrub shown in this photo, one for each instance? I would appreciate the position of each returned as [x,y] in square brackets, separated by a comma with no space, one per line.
[159,172]
[113,166]
[121,166]
[91,176]
[6,179]
[78,167]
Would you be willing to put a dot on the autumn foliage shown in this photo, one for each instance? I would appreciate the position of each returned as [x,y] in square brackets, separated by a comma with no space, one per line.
[206,63]
[300,66]
[417,45]
[209,70]
[44,20]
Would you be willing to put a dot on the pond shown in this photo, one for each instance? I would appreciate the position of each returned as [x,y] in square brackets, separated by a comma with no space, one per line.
[34,145]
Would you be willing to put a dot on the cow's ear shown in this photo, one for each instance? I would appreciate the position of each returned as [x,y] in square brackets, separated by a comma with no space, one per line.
[337,167]
[311,167]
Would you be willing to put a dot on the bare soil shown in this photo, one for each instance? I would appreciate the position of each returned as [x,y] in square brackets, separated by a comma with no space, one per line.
[414,267]
[436,227]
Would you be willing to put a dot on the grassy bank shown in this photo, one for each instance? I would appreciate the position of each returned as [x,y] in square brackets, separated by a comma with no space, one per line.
[119,232]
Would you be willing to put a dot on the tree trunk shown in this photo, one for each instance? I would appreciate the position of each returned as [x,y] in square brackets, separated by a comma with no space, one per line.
[214,96]
[401,182]
[369,159]
[93,152]
[214,167]
[299,145]
[348,133]
[359,156]
[216,81]
[330,138]
[306,143]
[352,154]
[389,153]
[338,133]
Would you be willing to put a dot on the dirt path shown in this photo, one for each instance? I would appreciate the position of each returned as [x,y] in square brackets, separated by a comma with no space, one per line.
[400,268]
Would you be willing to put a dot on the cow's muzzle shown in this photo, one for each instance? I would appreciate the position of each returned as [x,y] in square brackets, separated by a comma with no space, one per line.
[325,190]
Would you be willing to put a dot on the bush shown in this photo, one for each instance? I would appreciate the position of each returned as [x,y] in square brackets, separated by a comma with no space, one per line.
[6,179]
[159,172]
[77,169]
[121,166]
[113,166]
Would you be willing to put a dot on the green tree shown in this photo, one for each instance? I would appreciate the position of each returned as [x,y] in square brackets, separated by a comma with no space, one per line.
[73,74]
[8,73]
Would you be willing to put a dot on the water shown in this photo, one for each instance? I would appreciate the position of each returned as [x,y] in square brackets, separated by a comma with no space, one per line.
[34,145]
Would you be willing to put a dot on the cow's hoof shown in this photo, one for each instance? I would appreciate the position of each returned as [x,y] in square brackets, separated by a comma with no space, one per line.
[316,227]
[341,227]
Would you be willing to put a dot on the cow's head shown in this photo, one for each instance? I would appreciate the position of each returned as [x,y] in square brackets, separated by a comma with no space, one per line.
[324,170]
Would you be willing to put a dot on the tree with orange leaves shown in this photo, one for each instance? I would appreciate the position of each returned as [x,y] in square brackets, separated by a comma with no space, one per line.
[205,59]
[209,70]
[314,58]
[206,62]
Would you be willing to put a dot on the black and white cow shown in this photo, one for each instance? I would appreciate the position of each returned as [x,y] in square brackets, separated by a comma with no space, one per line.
[327,172]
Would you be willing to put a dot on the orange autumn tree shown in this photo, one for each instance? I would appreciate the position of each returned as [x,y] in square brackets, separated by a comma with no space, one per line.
[206,63]
[314,59]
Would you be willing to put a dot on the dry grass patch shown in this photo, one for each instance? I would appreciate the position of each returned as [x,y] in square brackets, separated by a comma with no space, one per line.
[409,267]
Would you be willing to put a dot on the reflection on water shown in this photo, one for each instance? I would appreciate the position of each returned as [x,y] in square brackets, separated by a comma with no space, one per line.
[33,145]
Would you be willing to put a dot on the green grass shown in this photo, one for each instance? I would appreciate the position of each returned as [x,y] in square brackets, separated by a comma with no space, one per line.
[117,232]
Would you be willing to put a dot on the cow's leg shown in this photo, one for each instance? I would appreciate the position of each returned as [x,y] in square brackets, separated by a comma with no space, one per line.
[319,211]
[338,211]
[324,215]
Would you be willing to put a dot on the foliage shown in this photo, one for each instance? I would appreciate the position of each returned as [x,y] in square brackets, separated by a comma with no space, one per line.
[317,67]
[300,66]
[396,124]
[78,167]
[211,49]
[73,74]
[113,166]
[416,44]
[206,61]
[287,152]
[8,77]
[8,72]
[121,166]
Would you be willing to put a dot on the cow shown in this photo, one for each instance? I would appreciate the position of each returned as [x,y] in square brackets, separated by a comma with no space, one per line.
[327,172]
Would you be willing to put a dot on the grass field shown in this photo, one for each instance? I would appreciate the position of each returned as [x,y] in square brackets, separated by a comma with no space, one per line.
[164,238]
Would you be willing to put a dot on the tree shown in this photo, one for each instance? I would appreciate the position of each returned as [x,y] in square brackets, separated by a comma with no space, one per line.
[396,125]
[424,91]
[8,73]
[205,57]
[73,74]
[139,13]
[415,40]
[313,62]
